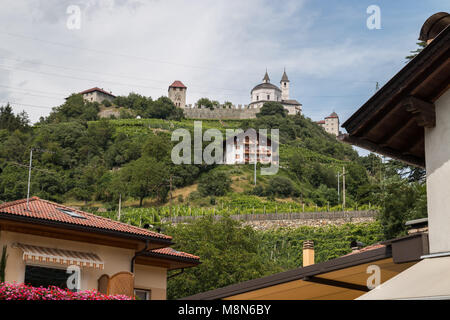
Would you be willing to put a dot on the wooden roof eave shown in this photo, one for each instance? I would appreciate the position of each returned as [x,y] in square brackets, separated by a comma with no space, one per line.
[392,121]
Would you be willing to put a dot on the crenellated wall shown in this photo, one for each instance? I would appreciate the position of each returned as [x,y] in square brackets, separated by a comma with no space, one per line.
[236,113]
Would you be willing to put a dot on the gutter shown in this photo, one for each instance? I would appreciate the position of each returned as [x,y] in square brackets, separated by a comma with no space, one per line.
[119,234]
[139,253]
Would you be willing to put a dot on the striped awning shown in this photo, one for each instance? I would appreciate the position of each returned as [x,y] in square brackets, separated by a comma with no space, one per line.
[59,256]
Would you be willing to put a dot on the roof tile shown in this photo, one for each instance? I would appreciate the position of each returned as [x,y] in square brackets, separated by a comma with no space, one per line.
[47,210]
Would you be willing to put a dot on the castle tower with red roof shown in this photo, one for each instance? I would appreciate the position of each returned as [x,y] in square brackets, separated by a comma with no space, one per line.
[177,93]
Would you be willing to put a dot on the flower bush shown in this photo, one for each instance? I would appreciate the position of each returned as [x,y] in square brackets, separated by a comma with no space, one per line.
[15,291]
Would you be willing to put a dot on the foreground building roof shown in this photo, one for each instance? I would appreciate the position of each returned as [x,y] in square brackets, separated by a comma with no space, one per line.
[341,278]
[49,212]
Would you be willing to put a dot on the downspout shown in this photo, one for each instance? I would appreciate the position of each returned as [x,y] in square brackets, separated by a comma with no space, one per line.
[175,274]
[138,253]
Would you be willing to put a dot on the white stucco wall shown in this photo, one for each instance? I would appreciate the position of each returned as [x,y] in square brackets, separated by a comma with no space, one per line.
[115,259]
[332,126]
[262,94]
[284,86]
[437,157]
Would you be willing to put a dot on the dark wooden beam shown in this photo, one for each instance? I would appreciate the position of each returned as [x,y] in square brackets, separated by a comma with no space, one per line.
[371,146]
[423,111]
[337,283]
[391,135]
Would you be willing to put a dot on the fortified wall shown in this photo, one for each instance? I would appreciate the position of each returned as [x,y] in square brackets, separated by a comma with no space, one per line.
[222,112]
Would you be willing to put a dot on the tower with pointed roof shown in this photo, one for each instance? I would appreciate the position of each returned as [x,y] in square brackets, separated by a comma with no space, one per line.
[266,78]
[177,93]
[284,84]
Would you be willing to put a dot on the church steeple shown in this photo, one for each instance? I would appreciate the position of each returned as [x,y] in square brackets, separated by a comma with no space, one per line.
[284,82]
[266,78]
[284,78]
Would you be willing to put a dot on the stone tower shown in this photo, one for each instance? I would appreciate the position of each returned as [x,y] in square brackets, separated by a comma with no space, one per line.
[284,84]
[177,93]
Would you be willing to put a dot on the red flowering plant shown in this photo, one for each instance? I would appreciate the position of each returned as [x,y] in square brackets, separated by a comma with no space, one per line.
[15,291]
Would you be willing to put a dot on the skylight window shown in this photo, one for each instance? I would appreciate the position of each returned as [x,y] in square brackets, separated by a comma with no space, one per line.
[71,213]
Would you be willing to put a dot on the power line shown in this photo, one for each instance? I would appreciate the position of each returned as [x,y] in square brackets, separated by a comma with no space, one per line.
[109,74]
[113,53]
[25,105]
[10,68]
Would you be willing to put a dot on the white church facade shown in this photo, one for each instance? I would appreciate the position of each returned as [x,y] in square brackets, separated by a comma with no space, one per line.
[260,94]
[268,92]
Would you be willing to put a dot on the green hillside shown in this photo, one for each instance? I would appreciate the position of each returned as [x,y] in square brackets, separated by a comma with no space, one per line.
[90,163]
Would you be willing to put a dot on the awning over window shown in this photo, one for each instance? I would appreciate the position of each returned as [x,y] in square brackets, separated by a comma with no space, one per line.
[428,279]
[59,256]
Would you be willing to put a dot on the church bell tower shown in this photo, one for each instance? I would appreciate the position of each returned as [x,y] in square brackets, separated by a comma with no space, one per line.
[284,84]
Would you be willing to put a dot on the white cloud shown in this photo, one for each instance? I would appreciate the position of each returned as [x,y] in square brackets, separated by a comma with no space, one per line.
[219,49]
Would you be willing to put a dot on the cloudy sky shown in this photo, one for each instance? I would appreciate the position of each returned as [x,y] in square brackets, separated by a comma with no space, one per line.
[219,49]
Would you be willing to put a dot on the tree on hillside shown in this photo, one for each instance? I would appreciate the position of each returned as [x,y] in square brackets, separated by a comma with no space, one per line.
[157,147]
[401,201]
[280,186]
[163,108]
[228,251]
[145,177]
[271,109]
[10,121]
[215,183]
[75,108]
[205,102]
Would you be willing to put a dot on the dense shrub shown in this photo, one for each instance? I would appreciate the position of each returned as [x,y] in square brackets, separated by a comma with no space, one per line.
[14,291]
[214,184]
[280,186]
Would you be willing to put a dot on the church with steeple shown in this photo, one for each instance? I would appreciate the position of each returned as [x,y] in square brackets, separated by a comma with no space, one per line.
[268,92]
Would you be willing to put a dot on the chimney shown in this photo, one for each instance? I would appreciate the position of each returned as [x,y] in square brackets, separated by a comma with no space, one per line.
[308,253]
[356,245]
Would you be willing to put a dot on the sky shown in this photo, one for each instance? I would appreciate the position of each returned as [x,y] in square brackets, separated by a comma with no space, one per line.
[218,49]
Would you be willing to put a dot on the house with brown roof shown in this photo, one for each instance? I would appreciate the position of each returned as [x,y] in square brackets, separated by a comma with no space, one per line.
[330,124]
[96,95]
[45,240]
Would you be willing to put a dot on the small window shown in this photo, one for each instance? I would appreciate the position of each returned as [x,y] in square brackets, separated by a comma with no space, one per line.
[268,97]
[257,98]
[142,294]
[71,213]
[285,84]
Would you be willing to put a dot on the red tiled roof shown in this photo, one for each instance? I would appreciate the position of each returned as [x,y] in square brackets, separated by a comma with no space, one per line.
[333,115]
[99,90]
[47,210]
[368,248]
[172,252]
[177,84]
[320,121]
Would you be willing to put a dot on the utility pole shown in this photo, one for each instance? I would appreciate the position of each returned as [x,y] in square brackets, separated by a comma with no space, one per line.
[170,188]
[343,188]
[120,205]
[339,196]
[256,154]
[29,180]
